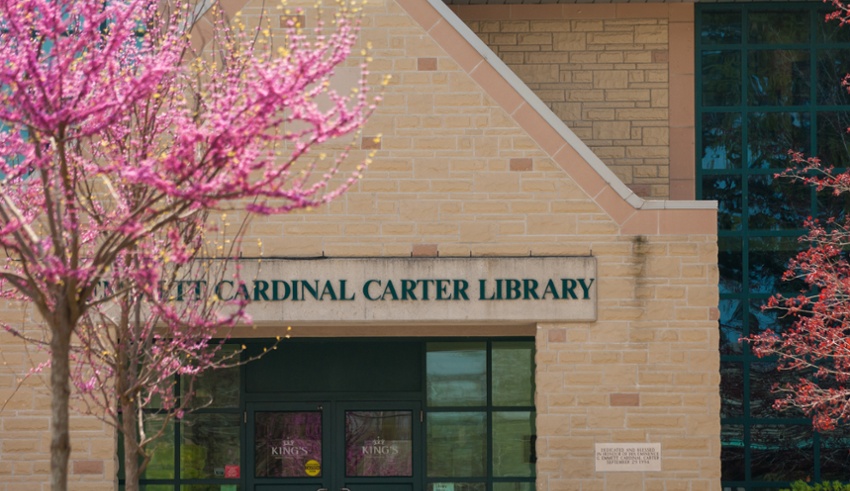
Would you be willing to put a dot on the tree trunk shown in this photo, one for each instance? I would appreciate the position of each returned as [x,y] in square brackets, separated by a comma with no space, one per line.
[60,376]
[129,427]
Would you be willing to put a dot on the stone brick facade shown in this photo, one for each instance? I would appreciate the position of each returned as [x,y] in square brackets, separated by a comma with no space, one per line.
[606,71]
[471,164]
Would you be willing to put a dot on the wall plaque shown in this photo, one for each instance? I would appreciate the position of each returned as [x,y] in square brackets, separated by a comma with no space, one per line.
[625,457]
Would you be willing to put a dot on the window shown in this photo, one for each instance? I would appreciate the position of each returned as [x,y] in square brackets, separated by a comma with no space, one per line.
[480,432]
[768,80]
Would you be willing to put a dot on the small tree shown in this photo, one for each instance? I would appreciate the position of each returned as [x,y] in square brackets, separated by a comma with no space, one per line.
[816,345]
[118,140]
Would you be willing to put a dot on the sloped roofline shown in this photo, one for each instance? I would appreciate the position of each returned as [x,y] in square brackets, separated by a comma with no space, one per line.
[633,213]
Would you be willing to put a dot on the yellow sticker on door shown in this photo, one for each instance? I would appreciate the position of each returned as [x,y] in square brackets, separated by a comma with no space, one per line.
[312,468]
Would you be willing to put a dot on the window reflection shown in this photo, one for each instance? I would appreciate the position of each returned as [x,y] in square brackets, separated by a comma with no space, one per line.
[727,191]
[732,452]
[513,373]
[777,203]
[833,139]
[779,27]
[768,260]
[457,444]
[731,265]
[731,326]
[456,374]
[721,78]
[835,454]
[832,66]
[721,141]
[763,377]
[781,452]
[731,390]
[514,454]
[721,27]
[209,443]
[778,78]
[830,205]
[772,135]
[161,465]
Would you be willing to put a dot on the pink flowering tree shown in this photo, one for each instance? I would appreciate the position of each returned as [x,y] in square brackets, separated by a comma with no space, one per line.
[816,344]
[118,142]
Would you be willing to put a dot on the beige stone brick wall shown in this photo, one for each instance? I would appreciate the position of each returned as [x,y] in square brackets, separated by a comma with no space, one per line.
[605,70]
[25,421]
[606,78]
[467,168]
[645,372]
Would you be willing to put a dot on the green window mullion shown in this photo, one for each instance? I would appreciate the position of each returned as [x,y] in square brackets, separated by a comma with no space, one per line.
[748,455]
[489,416]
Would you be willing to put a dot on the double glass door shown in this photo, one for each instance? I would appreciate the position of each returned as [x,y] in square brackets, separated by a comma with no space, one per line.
[334,446]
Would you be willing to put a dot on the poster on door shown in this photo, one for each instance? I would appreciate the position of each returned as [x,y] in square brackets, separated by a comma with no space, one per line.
[378,443]
[288,444]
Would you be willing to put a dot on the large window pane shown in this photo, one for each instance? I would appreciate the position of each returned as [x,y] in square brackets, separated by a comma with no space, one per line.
[731,390]
[721,27]
[784,26]
[832,66]
[215,388]
[731,326]
[835,454]
[781,452]
[732,452]
[833,138]
[456,444]
[832,206]
[513,373]
[514,454]
[777,203]
[721,141]
[161,465]
[832,31]
[778,77]
[209,443]
[730,263]
[768,260]
[456,374]
[728,192]
[772,135]
[721,78]
[763,377]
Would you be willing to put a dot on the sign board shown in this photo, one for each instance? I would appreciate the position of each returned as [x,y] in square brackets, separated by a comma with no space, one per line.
[393,290]
[628,457]
[458,290]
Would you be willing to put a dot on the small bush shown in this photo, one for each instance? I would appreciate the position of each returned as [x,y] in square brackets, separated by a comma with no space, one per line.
[824,486]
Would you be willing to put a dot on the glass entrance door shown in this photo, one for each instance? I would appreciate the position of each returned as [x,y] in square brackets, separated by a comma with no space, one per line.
[334,446]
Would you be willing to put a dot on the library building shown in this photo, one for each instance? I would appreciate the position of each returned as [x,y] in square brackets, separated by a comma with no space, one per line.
[540,283]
